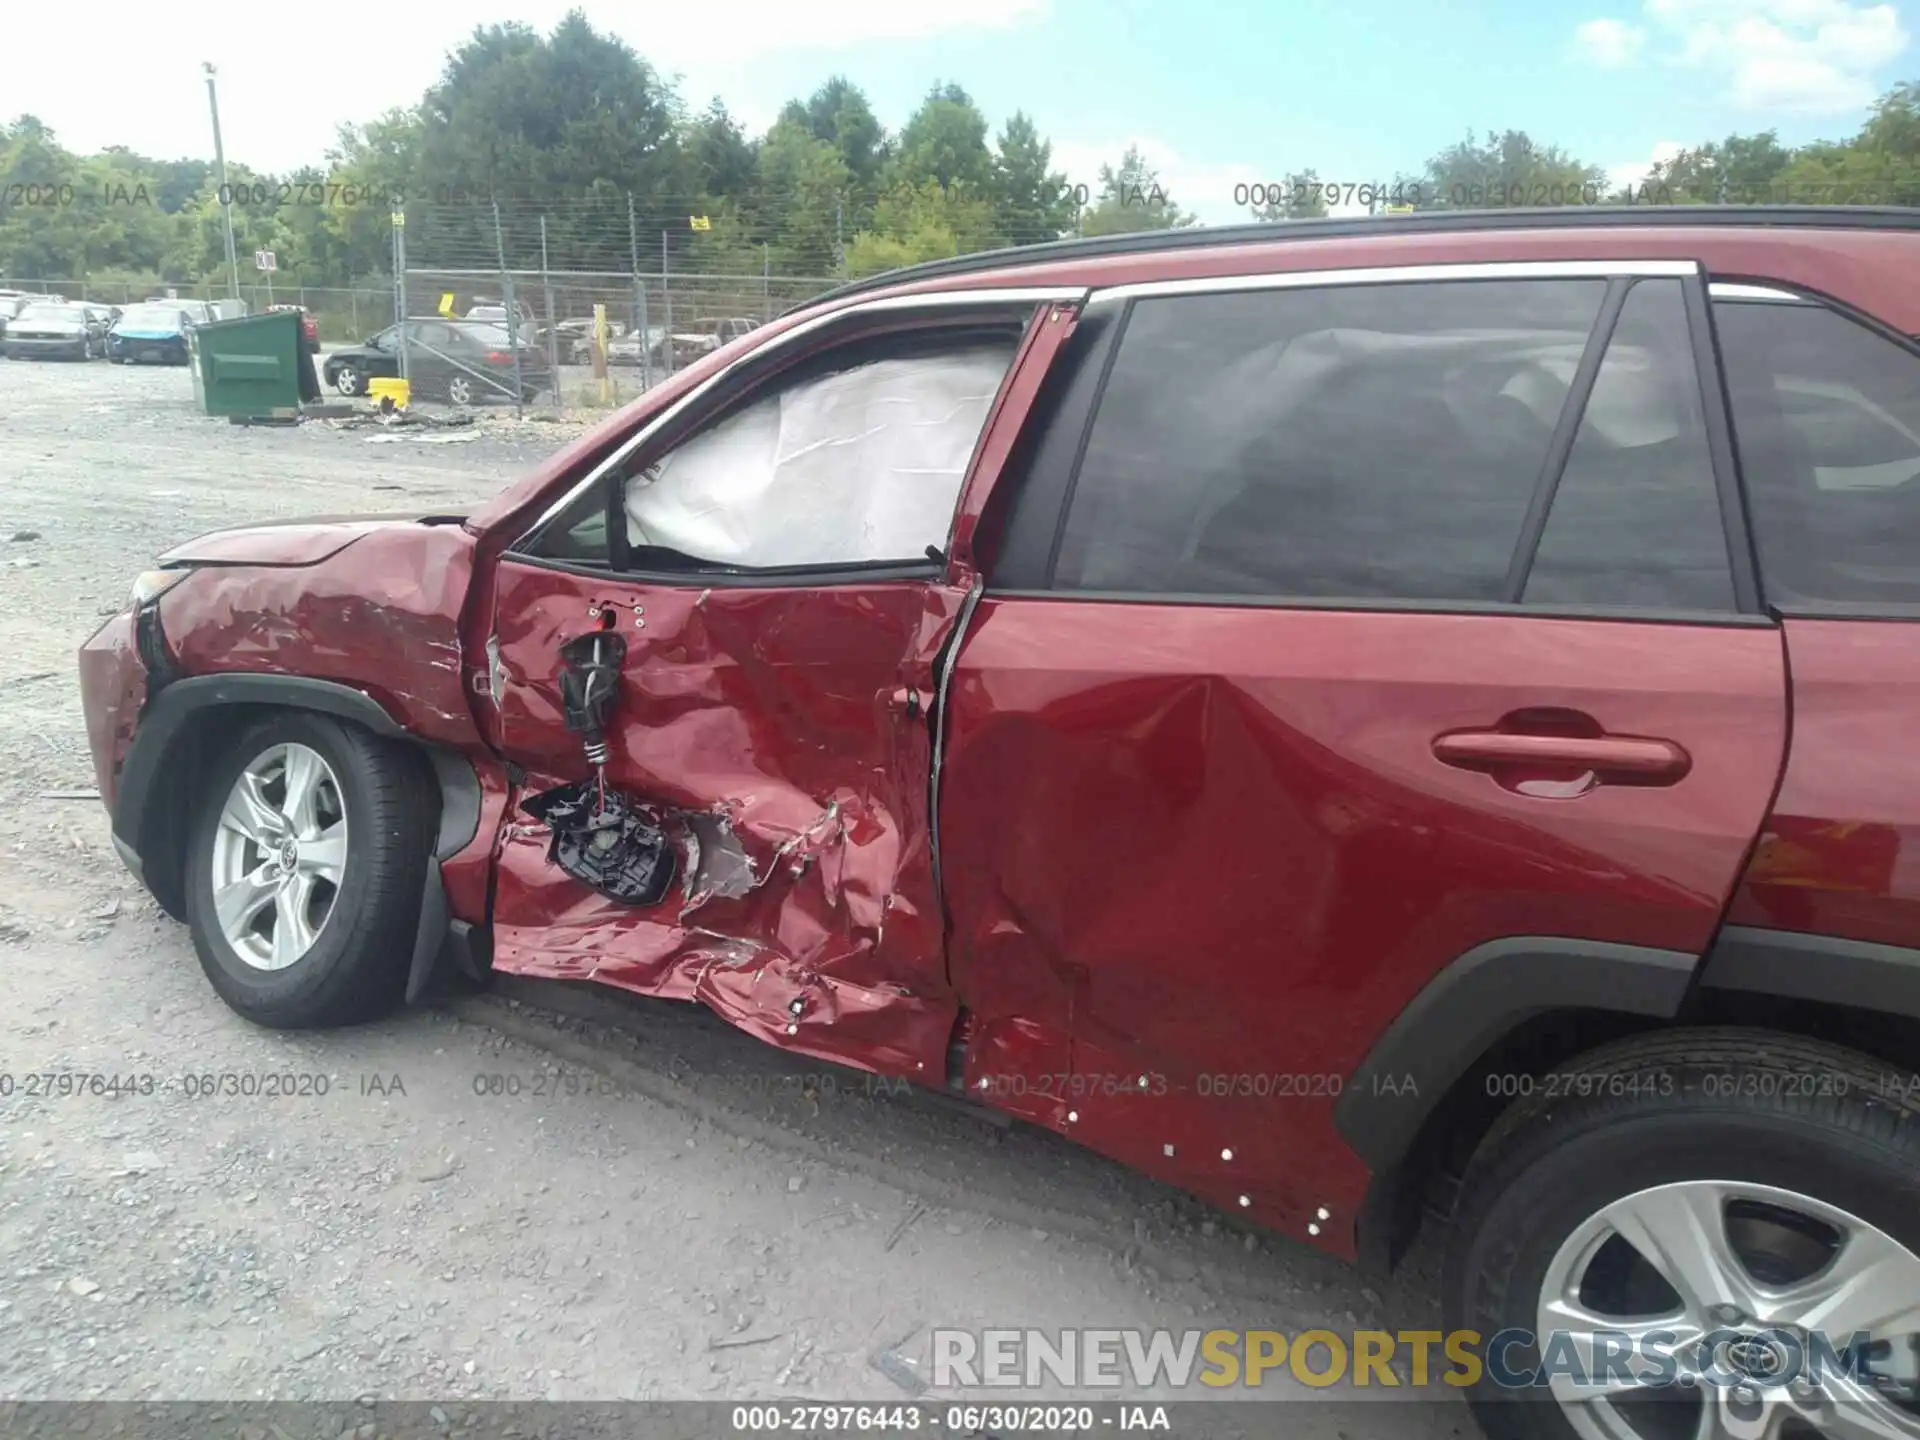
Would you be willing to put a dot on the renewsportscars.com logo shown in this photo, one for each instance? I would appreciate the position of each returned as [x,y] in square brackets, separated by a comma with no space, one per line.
[1512,1359]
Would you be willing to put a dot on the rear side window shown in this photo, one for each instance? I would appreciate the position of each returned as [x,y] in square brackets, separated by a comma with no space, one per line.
[1636,521]
[1356,441]
[1826,416]
[1386,443]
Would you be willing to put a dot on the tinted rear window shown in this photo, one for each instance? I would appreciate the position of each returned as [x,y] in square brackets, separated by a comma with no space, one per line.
[1365,442]
[1636,520]
[1826,419]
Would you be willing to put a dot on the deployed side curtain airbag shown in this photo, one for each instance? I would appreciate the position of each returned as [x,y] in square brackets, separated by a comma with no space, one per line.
[861,465]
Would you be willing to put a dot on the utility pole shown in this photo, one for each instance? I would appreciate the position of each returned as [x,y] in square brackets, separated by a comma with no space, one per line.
[226,193]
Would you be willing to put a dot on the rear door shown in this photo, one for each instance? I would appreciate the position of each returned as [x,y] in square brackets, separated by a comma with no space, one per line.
[772,559]
[1345,622]
[1826,414]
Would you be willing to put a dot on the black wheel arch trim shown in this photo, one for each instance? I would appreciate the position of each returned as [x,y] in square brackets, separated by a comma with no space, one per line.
[1798,965]
[1469,1006]
[172,705]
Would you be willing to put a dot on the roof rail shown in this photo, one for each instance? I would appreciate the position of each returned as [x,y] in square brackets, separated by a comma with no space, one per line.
[1573,217]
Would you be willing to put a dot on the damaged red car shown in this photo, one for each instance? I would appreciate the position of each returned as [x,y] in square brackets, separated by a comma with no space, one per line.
[1359,719]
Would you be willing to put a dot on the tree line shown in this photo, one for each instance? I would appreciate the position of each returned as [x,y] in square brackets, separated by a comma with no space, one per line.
[570,148]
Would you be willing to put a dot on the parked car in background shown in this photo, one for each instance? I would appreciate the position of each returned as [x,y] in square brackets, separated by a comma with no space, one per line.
[1369,721]
[14,302]
[706,336]
[10,304]
[105,315]
[493,313]
[464,362]
[631,348]
[573,338]
[198,312]
[153,332]
[55,332]
[309,327]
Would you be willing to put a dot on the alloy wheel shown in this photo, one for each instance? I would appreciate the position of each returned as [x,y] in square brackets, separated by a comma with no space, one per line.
[460,390]
[279,856]
[347,380]
[1732,1290]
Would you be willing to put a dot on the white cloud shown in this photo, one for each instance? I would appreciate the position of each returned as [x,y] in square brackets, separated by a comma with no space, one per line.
[1629,173]
[1610,43]
[1808,56]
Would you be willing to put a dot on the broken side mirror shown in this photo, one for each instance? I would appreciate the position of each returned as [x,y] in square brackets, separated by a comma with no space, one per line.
[607,842]
[590,687]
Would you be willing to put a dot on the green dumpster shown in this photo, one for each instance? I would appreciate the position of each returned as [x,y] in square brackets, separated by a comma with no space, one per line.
[254,368]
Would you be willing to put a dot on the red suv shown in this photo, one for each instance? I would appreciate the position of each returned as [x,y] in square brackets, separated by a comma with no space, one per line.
[1348,717]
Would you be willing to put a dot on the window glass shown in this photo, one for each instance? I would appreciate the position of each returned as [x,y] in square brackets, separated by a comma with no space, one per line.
[1364,442]
[1636,519]
[1826,418]
[860,465]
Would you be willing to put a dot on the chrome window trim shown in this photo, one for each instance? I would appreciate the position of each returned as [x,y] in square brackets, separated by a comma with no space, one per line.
[1396,275]
[1733,290]
[1005,295]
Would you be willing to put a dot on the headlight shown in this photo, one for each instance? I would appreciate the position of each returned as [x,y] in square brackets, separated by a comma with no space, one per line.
[152,584]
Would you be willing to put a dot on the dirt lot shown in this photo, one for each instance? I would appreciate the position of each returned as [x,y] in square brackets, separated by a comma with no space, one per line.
[687,1216]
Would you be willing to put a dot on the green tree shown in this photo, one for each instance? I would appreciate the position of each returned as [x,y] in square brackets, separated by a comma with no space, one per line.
[1741,169]
[1033,200]
[719,157]
[563,127]
[1130,197]
[374,162]
[928,221]
[1510,168]
[945,141]
[796,203]
[840,114]
[1301,198]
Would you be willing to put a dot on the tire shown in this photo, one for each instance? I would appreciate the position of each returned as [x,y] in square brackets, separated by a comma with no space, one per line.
[355,967]
[1751,1127]
[347,380]
[459,391]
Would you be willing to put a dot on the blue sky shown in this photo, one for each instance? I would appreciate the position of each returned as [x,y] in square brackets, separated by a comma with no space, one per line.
[1217,92]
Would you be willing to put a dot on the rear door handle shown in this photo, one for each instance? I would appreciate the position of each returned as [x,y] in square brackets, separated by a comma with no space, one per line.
[1618,756]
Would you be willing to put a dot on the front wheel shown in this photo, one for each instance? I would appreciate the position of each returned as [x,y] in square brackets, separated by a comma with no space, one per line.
[460,390]
[306,869]
[347,380]
[1707,1233]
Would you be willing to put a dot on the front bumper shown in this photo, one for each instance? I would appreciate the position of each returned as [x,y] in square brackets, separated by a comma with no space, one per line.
[113,691]
[170,350]
[66,347]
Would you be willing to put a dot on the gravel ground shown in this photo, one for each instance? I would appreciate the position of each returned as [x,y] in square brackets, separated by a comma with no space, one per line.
[684,1214]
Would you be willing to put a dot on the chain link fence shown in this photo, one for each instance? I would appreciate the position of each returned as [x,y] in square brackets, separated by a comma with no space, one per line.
[655,325]
[501,300]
